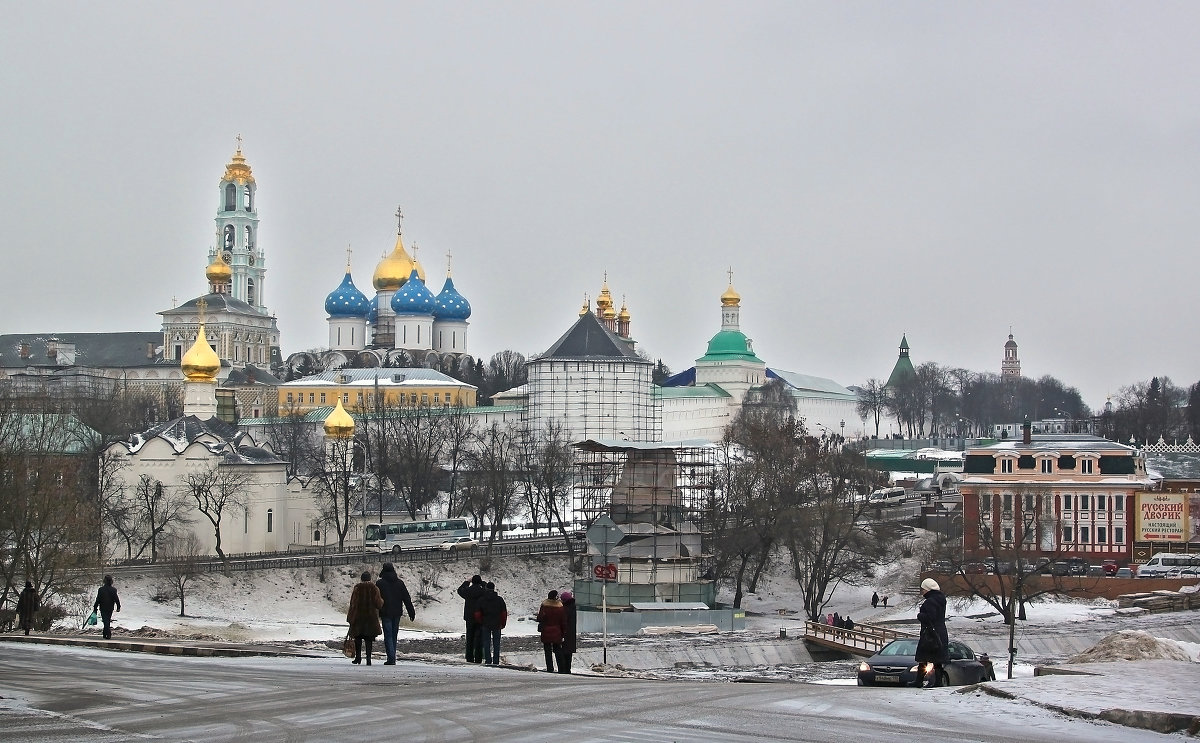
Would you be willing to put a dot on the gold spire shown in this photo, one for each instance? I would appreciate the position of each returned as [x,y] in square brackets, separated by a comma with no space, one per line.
[339,424]
[623,316]
[731,298]
[587,306]
[604,301]
[201,363]
[238,171]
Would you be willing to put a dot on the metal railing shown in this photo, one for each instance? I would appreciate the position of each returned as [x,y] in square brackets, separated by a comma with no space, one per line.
[864,639]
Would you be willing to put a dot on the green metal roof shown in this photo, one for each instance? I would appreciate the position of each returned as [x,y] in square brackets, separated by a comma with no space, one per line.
[704,390]
[729,345]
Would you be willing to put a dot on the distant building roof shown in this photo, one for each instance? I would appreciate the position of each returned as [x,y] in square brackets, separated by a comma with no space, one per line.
[97,350]
[187,430]
[805,383]
[588,339]
[251,375]
[1057,442]
[383,376]
[215,303]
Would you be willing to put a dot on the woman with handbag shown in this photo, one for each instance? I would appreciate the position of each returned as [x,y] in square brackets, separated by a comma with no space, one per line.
[363,616]
[933,647]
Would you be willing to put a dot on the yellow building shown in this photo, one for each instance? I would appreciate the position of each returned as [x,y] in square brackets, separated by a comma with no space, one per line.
[359,390]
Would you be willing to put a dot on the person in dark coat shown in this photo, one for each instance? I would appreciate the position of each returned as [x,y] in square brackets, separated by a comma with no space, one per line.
[933,647]
[363,616]
[875,600]
[552,625]
[27,606]
[106,601]
[569,635]
[493,616]
[395,601]
[849,623]
[471,591]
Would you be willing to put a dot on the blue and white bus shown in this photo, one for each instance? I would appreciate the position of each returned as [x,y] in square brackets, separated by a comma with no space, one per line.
[410,535]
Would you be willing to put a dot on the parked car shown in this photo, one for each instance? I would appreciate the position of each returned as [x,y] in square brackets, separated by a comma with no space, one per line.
[887,496]
[896,665]
[1110,567]
[1123,573]
[459,543]
[973,568]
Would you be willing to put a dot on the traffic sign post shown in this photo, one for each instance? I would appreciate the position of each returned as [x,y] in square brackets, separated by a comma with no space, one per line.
[605,534]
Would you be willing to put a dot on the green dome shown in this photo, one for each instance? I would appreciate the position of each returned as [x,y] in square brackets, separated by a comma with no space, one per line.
[727,345]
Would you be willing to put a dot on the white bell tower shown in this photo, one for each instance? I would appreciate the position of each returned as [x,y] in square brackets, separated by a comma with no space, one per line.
[237,232]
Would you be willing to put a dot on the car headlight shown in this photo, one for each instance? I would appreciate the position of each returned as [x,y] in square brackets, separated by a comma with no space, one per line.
[863,667]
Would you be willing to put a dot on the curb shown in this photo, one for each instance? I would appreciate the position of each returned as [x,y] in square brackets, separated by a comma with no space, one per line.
[164,648]
[1158,722]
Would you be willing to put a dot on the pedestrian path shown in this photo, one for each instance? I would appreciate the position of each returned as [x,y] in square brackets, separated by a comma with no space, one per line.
[164,646]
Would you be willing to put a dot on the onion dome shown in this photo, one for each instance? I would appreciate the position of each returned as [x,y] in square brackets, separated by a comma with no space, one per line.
[731,298]
[609,313]
[587,306]
[238,171]
[450,305]
[346,300]
[339,424]
[1011,343]
[218,272]
[393,270]
[604,301]
[200,363]
[623,316]
[414,298]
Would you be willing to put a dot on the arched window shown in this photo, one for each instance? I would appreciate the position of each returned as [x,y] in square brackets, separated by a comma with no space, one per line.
[249,200]
[270,520]
[250,292]
[230,197]
[249,241]
[229,237]
[316,536]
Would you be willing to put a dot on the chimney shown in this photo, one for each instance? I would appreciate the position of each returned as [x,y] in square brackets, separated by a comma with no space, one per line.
[1026,431]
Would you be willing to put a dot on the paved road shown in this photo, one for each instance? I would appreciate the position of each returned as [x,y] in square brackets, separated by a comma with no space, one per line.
[84,695]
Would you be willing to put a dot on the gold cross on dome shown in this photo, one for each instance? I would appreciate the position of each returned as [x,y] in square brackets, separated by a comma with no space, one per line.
[203,306]
[730,272]
[348,252]
[399,221]
[239,142]
[414,251]
[447,262]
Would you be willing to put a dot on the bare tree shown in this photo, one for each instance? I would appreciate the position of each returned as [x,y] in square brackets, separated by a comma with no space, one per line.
[217,489]
[547,464]
[335,487]
[293,438]
[156,512]
[493,470]
[182,553]
[872,402]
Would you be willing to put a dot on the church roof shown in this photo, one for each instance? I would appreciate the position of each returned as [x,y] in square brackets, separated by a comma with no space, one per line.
[50,433]
[214,303]
[94,350]
[588,339]
[901,371]
[251,375]
[232,445]
[805,383]
[728,345]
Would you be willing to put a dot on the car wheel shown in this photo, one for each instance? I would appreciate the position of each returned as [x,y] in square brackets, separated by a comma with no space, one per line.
[395,549]
[945,679]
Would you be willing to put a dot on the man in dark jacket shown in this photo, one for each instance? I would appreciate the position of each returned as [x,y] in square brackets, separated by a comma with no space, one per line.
[395,601]
[493,615]
[933,647]
[552,626]
[27,606]
[106,601]
[471,591]
[569,634]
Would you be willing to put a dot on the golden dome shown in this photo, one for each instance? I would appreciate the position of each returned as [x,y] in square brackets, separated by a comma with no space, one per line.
[238,171]
[394,269]
[604,301]
[731,298]
[587,306]
[219,272]
[624,314]
[200,363]
[609,313]
[339,424]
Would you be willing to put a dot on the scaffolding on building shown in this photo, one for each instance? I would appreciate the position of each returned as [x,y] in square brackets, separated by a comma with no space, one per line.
[655,493]
[596,398]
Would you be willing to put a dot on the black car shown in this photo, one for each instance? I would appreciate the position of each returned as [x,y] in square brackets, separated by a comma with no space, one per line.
[896,665]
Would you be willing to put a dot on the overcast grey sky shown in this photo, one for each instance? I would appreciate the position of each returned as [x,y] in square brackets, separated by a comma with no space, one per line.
[944,170]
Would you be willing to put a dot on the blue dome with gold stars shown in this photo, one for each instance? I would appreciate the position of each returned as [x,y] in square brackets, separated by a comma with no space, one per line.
[450,304]
[414,298]
[347,300]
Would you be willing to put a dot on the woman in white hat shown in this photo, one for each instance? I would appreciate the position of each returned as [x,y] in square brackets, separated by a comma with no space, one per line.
[933,646]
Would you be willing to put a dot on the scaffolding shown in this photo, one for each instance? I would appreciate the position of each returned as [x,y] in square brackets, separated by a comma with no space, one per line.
[596,397]
[655,493]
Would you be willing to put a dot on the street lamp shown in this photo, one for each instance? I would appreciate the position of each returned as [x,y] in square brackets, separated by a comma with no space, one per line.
[843,425]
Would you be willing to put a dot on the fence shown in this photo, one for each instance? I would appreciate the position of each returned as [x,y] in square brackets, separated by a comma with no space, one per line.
[864,639]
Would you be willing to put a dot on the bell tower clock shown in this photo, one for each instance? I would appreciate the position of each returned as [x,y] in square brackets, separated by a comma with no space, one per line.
[237,232]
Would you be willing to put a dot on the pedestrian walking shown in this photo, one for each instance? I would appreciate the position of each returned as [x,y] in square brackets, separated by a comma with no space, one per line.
[570,627]
[471,591]
[849,624]
[875,600]
[363,616]
[493,616]
[829,619]
[933,647]
[885,599]
[395,601]
[552,625]
[106,601]
[27,605]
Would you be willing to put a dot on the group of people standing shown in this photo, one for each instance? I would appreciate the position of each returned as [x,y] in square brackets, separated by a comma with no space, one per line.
[376,609]
[557,625]
[486,615]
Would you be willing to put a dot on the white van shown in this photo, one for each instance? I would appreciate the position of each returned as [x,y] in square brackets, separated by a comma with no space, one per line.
[1166,562]
[887,496]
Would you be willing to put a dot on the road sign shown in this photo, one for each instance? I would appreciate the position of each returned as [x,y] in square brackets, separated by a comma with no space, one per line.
[604,572]
[605,534]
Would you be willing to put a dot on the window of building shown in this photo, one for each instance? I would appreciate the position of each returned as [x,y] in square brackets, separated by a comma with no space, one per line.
[1083,535]
[1007,534]
[1047,466]
[1067,535]
[270,520]
[1006,466]
[1007,501]
[1101,535]
[316,536]
[1085,502]
[1118,535]
[987,501]
[345,398]
[322,398]
[289,398]
[425,399]
[230,197]
[1085,466]
[249,201]
[1028,507]
[246,521]
[311,398]
[360,399]
[435,398]
[250,296]
[1101,502]
[1118,503]
[1066,500]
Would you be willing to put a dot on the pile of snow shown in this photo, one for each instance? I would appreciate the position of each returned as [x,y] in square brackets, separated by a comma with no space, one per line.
[1131,645]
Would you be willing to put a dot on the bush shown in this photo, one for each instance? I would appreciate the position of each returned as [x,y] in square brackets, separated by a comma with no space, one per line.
[45,617]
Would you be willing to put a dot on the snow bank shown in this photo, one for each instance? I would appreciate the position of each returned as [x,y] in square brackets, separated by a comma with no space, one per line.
[1131,645]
